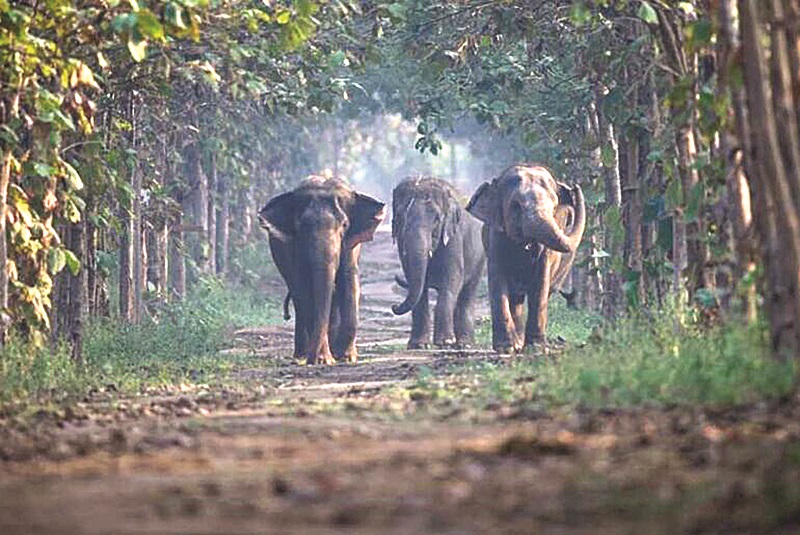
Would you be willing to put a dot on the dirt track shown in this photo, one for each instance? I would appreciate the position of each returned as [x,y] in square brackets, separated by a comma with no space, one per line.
[343,449]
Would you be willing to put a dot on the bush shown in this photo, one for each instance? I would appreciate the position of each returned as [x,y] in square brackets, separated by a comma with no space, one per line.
[645,361]
[30,372]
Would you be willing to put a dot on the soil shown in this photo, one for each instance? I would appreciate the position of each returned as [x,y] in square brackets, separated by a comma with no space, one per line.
[352,449]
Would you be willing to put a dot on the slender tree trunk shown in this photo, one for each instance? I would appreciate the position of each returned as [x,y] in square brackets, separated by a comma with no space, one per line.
[77,292]
[613,187]
[139,264]
[211,228]
[5,181]
[223,226]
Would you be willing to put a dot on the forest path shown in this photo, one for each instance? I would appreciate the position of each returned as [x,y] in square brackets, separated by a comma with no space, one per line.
[357,449]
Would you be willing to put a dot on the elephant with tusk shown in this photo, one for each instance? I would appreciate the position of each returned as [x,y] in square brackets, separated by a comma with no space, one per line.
[532,228]
[440,248]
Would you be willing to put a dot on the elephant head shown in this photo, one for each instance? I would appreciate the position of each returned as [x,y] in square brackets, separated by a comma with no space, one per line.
[425,216]
[532,209]
[318,222]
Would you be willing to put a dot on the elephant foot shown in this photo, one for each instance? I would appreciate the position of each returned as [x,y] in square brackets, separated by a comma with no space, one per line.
[538,348]
[326,360]
[447,343]
[418,344]
[505,347]
[351,357]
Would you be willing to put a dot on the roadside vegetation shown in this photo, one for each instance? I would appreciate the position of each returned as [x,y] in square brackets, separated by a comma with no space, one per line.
[176,344]
[653,361]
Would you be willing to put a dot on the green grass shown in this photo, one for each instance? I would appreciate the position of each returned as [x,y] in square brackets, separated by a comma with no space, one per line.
[639,362]
[176,343]
[645,362]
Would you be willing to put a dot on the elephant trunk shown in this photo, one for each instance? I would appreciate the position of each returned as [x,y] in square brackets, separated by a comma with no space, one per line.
[543,228]
[578,226]
[323,274]
[415,265]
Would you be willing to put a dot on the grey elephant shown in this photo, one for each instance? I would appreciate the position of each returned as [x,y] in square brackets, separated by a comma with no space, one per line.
[440,247]
[532,228]
[315,235]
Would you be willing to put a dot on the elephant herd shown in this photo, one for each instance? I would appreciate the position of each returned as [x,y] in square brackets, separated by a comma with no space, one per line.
[531,228]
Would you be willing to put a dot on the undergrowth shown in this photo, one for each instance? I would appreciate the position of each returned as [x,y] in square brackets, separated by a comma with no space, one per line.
[175,343]
[642,361]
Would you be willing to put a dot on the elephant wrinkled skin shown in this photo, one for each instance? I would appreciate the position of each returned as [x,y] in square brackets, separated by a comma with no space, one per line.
[532,228]
[315,235]
[440,248]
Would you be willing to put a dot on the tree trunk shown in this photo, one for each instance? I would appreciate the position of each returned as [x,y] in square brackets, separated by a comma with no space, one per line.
[5,180]
[177,261]
[211,228]
[771,164]
[223,226]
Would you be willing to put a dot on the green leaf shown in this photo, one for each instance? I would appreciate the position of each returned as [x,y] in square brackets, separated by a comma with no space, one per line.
[283,16]
[72,261]
[149,24]
[72,177]
[43,169]
[647,13]
[56,260]
[138,50]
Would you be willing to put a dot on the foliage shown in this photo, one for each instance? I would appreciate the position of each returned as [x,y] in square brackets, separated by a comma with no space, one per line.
[178,345]
[642,361]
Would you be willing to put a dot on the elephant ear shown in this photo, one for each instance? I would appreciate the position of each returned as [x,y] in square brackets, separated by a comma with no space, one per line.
[565,195]
[483,204]
[277,216]
[452,220]
[367,213]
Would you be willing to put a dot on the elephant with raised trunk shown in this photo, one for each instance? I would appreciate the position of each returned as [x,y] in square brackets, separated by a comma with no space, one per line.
[315,235]
[440,248]
[532,228]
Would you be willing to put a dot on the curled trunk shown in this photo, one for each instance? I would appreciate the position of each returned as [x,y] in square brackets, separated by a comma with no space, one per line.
[544,229]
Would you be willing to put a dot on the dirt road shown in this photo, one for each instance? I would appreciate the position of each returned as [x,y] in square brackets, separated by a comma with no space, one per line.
[352,449]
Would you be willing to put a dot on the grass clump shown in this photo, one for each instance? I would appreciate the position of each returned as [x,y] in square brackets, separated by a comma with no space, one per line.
[640,361]
[28,372]
[179,341]
[175,343]
[644,361]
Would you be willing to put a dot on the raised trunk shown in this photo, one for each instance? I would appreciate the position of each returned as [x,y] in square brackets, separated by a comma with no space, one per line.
[542,227]
[414,256]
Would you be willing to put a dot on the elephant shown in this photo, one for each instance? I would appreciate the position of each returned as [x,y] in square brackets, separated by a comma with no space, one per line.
[315,236]
[440,247]
[532,228]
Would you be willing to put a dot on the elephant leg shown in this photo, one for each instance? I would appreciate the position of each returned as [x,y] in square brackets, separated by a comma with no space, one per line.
[517,304]
[537,303]
[443,332]
[334,324]
[348,294]
[504,336]
[420,323]
[463,317]
[302,323]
